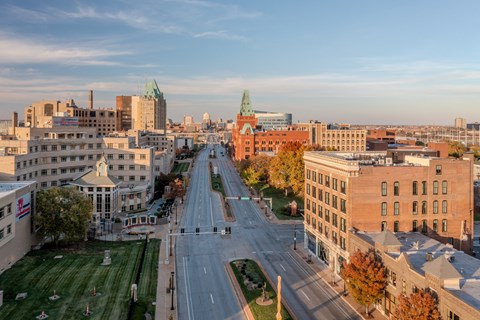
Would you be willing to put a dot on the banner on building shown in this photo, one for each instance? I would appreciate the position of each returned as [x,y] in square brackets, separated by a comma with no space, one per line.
[65,121]
[23,207]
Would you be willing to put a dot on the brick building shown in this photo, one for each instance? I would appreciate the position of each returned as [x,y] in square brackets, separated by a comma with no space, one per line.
[367,192]
[414,261]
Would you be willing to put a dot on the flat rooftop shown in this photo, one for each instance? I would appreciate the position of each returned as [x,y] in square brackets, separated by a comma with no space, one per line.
[416,246]
[6,187]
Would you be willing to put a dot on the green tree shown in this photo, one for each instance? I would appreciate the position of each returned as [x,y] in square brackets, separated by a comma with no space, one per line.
[419,305]
[256,170]
[365,277]
[63,212]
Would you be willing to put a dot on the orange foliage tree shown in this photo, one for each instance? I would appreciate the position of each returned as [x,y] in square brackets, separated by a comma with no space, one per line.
[365,277]
[420,305]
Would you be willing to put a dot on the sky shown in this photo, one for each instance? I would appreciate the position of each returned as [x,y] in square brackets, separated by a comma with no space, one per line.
[359,62]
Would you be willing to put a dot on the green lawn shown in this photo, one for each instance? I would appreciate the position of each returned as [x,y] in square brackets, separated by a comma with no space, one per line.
[217,185]
[257,276]
[180,167]
[74,276]
[279,201]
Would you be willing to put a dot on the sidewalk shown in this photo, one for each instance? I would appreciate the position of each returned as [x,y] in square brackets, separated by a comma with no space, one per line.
[326,275]
[165,268]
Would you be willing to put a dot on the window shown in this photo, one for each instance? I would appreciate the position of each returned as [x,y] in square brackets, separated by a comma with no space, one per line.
[415,207]
[444,225]
[131,167]
[320,211]
[343,224]
[54,159]
[308,174]
[384,188]
[335,184]
[334,220]
[453,316]
[383,226]
[142,167]
[343,243]
[415,188]
[438,169]
[131,178]
[308,204]
[121,156]
[63,147]
[424,226]
[327,181]
[343,205]
[396,188]
[395,226]
[435,207]
[54,171]
[435,225]
[320,194]
[327,215]
[414,226]
[121,167]
[444,186]
[314,176]
[396,208]
[343,187]
[320,178]
[424,187]
[308,189]
[392,278]
[424,207]
[314,191]
[327,198]
[334,201]
[435,187]
[444,206]
[384,209]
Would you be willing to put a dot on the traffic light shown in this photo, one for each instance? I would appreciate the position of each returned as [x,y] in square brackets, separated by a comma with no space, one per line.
[197,230]
[182,231]
[238,198]
[251,197]
[215,229]
[228,230]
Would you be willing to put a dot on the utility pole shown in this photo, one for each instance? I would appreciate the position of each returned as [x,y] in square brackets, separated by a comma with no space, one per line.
[294,237]
[171,290]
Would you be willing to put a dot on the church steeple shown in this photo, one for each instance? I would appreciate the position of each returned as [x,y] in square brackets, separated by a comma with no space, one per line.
[246,106]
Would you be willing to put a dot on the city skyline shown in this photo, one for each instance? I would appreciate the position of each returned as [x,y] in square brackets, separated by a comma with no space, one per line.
[366,63]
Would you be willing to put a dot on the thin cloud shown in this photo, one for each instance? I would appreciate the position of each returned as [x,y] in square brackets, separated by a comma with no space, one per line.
[27,14]
[222,34]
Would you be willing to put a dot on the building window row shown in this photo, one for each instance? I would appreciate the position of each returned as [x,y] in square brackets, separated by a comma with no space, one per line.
[415,188]
[415,207]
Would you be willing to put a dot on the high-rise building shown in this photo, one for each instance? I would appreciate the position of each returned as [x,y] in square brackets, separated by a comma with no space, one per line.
[460,123]
[126,107]
[151,111]
[366,191]
[273,120]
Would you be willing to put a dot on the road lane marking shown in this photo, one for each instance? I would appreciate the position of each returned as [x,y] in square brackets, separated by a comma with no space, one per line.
[204,270]
[211,297]
[306,296]
[282,267]
[187,291]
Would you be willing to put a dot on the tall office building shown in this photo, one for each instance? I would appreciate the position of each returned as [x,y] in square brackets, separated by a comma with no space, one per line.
[460,123]
[151,111]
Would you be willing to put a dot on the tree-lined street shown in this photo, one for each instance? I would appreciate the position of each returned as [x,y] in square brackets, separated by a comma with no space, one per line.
[204,289]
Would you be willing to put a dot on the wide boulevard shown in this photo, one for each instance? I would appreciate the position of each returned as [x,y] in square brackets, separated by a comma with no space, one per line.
[204,288]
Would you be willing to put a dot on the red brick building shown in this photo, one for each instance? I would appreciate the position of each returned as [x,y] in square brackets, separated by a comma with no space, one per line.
[248,142]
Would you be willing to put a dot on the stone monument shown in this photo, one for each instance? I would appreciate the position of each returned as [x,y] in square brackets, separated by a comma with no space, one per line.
[133,292]
[106,259]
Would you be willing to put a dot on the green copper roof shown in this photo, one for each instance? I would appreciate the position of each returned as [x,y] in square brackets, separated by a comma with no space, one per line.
[246,106]
[246,127]
[152,90]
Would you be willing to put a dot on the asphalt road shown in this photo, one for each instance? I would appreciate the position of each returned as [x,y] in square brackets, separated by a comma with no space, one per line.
[204,290]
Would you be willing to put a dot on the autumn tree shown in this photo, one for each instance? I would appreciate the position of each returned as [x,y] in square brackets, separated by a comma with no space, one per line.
[287,168]
[365,277]
[257,170]
[63,213]
[420,305]
[456,149]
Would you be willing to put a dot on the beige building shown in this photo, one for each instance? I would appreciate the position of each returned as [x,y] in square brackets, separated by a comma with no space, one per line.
[414,261]
[56,156]
[365,191]
[151,110]
[335,136]
[17,233]
[53,113]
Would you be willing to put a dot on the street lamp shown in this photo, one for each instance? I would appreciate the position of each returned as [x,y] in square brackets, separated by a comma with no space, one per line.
[171,290]
[171,240]
[294,237]
[176,207]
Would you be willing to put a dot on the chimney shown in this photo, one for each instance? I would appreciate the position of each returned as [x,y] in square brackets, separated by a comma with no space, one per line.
[14,122]
[90,100]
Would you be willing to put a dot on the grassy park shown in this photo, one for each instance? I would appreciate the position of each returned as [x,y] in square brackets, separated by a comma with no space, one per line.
[250,278]
[180,167]
[73,277]
[280,201]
